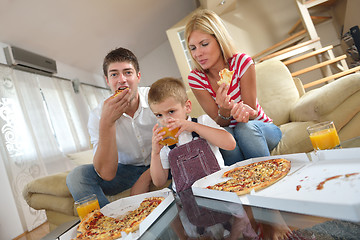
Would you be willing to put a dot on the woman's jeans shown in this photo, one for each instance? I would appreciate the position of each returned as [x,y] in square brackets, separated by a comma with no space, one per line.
[253,139]
[83,181]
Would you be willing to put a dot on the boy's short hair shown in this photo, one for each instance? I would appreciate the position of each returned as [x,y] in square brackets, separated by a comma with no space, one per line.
[167,87]
[120,55]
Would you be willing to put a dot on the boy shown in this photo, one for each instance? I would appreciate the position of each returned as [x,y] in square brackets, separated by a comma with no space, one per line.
[169,102]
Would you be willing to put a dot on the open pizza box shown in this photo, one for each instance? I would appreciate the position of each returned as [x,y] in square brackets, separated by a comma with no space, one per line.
[335,170]
[124,205]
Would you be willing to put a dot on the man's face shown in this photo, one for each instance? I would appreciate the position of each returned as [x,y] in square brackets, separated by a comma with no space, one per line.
[122,74]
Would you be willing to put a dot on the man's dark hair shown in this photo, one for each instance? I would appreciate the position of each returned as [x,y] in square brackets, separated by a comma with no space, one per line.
[120,55]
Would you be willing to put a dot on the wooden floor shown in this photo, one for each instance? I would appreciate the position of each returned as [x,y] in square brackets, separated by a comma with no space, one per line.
[35,234]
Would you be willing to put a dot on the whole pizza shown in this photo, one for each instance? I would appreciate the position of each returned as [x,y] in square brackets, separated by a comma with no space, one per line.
[98,226]
[257,176]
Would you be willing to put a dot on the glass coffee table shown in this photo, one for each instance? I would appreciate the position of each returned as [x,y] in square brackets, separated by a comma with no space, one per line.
[216,219]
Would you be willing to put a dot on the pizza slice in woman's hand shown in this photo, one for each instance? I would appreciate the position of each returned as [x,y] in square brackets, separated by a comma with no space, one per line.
[225,76]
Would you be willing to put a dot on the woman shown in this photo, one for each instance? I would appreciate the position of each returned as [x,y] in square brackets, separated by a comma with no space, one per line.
[234,107]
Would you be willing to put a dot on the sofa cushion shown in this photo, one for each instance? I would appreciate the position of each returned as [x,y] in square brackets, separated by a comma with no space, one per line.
[295,139]
[81,158]
[276,90]
[49,185]
[318,103]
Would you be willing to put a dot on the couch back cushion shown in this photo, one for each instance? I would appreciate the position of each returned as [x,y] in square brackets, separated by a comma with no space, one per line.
[276,90]
[81,158]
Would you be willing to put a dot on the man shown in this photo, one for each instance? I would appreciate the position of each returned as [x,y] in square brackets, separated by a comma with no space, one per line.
[121,132]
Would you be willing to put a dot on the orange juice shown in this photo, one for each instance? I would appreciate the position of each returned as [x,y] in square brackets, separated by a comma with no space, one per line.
[86,208]
[86,205]
[325,139]
[169,136]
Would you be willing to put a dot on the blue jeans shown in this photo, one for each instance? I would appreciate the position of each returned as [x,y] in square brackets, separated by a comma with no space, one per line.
[83,181]
[253,139]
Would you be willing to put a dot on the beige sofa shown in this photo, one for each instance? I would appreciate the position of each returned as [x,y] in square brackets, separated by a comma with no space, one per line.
[283,99]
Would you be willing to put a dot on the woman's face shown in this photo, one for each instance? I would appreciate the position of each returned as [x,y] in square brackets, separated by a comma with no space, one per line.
[204,49]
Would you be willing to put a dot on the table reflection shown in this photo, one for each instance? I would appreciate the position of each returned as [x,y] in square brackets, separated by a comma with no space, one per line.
[192,217]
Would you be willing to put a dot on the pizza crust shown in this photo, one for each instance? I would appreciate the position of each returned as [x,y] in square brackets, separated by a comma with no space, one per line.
[120,90]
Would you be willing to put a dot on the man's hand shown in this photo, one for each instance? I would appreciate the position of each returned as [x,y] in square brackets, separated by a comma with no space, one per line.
[106,156]
[114,107]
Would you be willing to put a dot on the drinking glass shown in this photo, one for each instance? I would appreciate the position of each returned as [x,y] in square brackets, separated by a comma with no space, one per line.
[324,136]
[169,136]
[86,205]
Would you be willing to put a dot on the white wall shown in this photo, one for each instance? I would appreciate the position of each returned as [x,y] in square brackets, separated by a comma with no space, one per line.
[158,64]
[66,71]
[253,25]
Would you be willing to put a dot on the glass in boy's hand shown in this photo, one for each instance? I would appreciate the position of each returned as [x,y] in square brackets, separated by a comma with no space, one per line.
[86,205]
[169,136]
[324,136]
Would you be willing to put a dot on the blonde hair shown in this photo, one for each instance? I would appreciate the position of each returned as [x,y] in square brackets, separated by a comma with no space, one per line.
[209,22]
[167,87]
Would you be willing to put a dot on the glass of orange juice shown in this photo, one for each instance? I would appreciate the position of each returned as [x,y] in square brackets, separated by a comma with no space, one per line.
[169,136]
[324,136]
[86,205]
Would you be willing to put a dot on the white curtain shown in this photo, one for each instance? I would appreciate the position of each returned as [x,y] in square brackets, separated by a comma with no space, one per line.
[19,150]
[94,95]
[41,120]
[46,118]
[76,113]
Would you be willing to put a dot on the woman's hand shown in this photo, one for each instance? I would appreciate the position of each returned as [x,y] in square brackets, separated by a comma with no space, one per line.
[242,112]
[222,98]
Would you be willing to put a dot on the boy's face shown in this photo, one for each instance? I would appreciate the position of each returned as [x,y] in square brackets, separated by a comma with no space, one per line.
[122,74]
[171,108]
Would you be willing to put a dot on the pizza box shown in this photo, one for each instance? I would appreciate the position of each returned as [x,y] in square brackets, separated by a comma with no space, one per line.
[298,161]
[124,205]
[326,186]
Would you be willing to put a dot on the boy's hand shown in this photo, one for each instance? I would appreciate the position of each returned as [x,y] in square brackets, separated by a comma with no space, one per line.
[182,124]
[157,136]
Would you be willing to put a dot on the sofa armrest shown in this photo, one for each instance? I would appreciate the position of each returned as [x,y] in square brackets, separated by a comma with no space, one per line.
[318,104]
[54,185]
